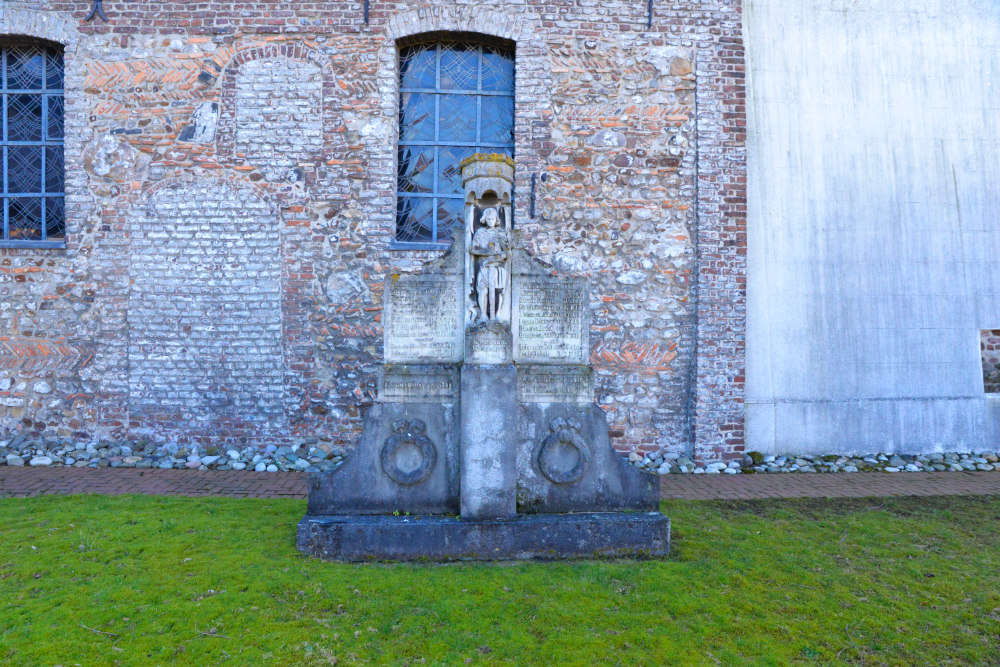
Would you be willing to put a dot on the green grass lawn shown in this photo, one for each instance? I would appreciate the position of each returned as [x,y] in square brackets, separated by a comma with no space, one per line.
[153,580]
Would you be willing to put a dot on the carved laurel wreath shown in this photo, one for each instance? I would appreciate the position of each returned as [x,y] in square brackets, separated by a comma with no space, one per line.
[564,432]
[408,433]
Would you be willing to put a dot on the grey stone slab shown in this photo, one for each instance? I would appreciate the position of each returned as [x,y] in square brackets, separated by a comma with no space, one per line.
[541,536]
[565,463]
[550,314]
[489,441]
[537,383]
[201,128]
[418,383]
[393,469]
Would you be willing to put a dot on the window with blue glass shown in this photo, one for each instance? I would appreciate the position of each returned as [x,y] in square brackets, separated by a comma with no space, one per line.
[33,196]
[456,99]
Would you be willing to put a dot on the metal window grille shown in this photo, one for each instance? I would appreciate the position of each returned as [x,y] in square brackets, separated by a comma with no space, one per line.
[33,194]
[456,99]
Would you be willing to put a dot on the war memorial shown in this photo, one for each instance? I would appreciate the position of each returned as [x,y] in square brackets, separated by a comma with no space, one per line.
[485,441]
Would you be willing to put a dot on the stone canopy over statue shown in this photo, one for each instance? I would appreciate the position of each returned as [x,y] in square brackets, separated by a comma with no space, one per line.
[486,410]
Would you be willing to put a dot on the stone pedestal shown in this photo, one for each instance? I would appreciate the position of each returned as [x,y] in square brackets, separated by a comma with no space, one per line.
[489,442]
[485,409]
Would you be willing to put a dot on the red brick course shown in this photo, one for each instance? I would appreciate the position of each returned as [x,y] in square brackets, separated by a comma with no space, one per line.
[24,482]
[853,485]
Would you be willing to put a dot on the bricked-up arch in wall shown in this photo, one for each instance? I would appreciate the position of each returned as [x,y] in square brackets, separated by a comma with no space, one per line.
[532,73]
[62,29]
[205,352]
[52,26]
[276,77]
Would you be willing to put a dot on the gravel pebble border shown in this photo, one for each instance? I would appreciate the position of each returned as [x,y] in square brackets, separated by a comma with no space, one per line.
[321,456]
[315,457]
[757,463]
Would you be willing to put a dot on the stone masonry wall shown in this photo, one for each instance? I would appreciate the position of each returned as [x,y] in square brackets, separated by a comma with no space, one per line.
[231,193]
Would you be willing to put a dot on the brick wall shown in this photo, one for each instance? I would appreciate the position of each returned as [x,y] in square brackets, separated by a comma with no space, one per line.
[718,392]
[231,186]
[278,117]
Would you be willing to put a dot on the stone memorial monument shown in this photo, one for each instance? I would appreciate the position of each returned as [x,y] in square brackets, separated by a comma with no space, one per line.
[485,441]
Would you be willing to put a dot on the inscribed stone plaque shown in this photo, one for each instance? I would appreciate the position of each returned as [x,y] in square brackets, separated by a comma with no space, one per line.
[555,384]
[423,318]
[551,321]
[489,344]
[418,383]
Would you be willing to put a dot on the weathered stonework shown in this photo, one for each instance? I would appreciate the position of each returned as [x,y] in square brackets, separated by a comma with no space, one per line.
[639,135]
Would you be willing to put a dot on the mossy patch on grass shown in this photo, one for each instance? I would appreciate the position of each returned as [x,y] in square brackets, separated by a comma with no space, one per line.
[153,580]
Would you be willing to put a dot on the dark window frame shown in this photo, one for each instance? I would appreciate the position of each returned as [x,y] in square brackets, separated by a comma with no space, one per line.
[437,240]
[50,220]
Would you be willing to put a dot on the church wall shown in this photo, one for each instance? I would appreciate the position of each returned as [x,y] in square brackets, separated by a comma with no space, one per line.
[873,241]
[231,201]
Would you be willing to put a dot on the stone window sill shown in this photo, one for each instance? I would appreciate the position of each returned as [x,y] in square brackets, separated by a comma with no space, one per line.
[399,245]
[34,245]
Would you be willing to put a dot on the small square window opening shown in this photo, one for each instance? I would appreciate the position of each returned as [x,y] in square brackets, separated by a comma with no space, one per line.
[989,346]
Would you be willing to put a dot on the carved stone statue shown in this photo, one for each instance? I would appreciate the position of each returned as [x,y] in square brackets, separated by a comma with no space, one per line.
[491,248]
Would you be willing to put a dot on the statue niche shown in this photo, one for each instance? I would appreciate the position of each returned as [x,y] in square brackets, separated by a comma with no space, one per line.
[488,248]
[488,242]
[490,251]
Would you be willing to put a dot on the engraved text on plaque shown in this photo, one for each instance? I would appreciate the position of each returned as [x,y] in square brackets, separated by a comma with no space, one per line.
[550,322]
[423,319]
[555,384]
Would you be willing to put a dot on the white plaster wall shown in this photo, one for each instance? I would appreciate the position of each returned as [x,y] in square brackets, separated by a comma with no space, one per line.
[874,223]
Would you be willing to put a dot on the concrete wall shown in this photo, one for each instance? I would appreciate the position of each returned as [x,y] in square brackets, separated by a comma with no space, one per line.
[873,243]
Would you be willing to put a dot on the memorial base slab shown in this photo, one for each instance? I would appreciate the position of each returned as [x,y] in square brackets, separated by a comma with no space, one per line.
[524,537]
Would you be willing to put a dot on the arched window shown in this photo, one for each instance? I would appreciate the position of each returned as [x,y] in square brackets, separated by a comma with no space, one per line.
[33,196]
[456,98]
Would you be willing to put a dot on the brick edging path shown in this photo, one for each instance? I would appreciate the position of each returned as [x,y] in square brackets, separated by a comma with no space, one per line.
[22,482]
[831,485]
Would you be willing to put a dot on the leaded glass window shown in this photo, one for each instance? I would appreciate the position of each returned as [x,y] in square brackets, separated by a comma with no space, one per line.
[456,99]
[33,196]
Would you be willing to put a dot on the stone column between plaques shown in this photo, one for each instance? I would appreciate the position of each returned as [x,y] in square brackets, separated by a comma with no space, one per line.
[489,378]
[489,442]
